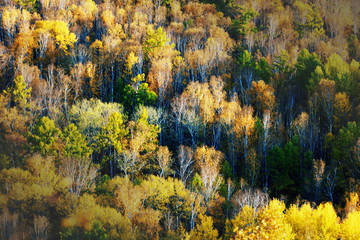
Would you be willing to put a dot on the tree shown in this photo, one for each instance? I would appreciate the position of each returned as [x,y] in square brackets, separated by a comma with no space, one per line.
[204,229]
[29,192]
[26,4]
[155,40]
[245,75]
[300,127]
[308,20]
[41,227]
[17,114]
[253,166]
[163,157]
[137,94]
[305,67]
[349,227]
[352,203]
[20,93]
[44,137]
[56,30]
[263,69]
[262,96]
[245,198]
[186,160]
[327,94]
[9,20]
[336,15]
[163,57]
[170,197]
[244,128]
[179,107]
[342,110]
[266,138]
[93,221]
[91,115]
[141,144]
[84,82]
[345,147]
[318,173]
[75,144]
[80,173]
[284,174]
[131,60]
[51,92]
[9,225]
[315,79]
[129,200]
[338,70]
[112,139]
[283,70]
[320,223]
[268,223]
[208,162]
[229,116]
[242,23]
[192,121]
[83,14]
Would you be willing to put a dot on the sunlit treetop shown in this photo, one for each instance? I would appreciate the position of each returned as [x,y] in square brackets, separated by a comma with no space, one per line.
[58,31]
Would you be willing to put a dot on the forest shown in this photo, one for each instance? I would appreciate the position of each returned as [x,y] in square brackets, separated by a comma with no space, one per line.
[179,119]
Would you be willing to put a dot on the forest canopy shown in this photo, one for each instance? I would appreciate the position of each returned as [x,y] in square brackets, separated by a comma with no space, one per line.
[179,119]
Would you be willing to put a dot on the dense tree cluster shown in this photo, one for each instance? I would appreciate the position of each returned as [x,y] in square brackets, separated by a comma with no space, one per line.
[179,119]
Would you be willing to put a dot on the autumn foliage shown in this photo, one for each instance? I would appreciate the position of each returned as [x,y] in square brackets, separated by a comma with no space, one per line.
[172,119]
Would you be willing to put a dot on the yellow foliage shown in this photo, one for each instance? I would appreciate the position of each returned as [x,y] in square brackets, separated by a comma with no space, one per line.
[85,13]
[327,221]
[350,228]
[318,170]
[88,212]
[208,162]
[342,109]
[268,223]
[13,120]
[117,31]
[58,31]
[244,124]
[108,18]
[131,60]
[164,159]
[204,229]
[160,191]
[43,169]
[9,19]
[96,45]
[352,203]
[148,221]
[30,191]
[246,218]
[273,222]
[207,99]
[230,112]
[129,199]
[263,96]
[309,223]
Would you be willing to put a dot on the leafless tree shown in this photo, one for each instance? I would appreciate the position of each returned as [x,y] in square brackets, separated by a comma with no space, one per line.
[80,171]
[330,183]
[253,198]
[40,228]
[186,160]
